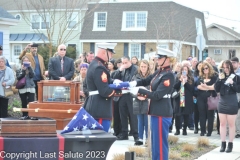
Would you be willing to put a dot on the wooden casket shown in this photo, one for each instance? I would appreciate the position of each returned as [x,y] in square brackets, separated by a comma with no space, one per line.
[59,100]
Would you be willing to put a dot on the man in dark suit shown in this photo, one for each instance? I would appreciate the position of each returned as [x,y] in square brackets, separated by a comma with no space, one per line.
[61,67]
[126,73]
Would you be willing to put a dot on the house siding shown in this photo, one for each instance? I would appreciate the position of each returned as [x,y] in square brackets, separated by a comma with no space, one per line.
[23,27]
[224,55]
[217,34]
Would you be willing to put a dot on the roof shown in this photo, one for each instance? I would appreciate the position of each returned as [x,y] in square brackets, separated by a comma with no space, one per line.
[5,14]
[225,29]
[34,37]
[55,4]
[169,19]
[223,43]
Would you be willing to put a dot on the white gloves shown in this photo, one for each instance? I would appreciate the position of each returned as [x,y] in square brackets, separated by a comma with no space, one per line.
[133,90]
[132,84]
[117,81]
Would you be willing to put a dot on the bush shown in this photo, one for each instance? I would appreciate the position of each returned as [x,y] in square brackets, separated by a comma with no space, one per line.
[140,151]
[172,139]
[203,142]
[118,156]
[188,147]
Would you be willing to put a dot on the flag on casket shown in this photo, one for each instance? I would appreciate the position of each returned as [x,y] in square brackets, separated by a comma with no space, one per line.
[82,121]
[119,85]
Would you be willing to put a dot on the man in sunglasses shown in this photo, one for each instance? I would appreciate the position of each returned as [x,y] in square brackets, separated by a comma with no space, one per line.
[61,67]
[37,63]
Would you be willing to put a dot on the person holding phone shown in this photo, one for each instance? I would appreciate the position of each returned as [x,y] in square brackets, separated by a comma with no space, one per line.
[205,85]
[228,84]
[183,104]
[27,93]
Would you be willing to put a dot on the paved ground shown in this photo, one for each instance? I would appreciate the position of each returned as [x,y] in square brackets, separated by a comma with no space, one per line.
[122,147]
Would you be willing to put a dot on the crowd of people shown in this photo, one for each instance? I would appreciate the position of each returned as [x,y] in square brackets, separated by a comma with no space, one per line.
[173,93]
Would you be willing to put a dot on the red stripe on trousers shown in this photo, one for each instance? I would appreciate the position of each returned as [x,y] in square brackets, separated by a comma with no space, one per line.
[160,137]
[1,147]
[100,120]
[61,145]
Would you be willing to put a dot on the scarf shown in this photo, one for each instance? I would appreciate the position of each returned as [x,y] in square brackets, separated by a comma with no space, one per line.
[182,96]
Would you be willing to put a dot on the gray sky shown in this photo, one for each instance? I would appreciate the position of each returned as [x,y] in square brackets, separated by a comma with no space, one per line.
[228,10]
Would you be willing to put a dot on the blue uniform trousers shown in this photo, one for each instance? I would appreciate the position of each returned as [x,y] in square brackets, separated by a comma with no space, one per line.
[105,123]
[159,136]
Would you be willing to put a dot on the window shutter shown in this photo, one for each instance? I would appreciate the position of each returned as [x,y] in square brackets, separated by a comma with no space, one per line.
[125,49]
[143,45]
[1,38]
[92,47]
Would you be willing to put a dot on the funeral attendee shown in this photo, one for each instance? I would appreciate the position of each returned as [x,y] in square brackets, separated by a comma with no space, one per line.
[235,63]
[206,80]
[194,62]
[134,60]
[126,73]
[89,57]
[160,107]
[227,86]
[26,93]
[37,63]
[183,107]
[81,77]
[1,54]
[6,79]
[140,104]
[210,61]
[61,67]
[99,102]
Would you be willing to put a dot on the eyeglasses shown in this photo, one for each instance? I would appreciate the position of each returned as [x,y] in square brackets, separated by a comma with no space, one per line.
[205,69]
[62,49]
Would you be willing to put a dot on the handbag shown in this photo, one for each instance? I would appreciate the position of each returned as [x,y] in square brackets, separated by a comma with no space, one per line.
[8,91]
[21,83]
[212,102]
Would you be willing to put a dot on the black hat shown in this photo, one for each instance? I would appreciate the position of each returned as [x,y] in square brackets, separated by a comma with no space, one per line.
[235,59]
[1,48]
[34,45]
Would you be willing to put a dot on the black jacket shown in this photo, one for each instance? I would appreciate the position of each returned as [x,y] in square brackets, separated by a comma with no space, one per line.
[54,68]
[161,84]
[140,107]
[98,78]
[228,89]
[188,91]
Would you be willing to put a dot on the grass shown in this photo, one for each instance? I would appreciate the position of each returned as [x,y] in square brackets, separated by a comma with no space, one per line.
[172,139]
[119,156]
[140,151]
[188,147]
[203,142]
[174,155]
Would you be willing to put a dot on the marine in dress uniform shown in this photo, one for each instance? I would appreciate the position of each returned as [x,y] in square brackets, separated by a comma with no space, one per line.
[99,102]
[160,108]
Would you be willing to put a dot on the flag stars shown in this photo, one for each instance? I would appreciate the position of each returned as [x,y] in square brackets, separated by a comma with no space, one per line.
[94,126]
[74,117]
[66,128]
[85,117]
[75,129]
[85,127]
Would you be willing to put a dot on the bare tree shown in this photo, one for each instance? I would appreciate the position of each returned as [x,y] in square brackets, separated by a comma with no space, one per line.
[59,19]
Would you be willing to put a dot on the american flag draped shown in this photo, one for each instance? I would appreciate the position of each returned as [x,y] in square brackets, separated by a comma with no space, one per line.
[119,85]
[82,121]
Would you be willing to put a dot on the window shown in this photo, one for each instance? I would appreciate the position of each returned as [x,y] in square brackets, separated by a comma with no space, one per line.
[134,21]
[17,50]
[39,22]
[135,50]
[100,21]
[231,53]
[73,20]
[217,51]
[199,26]
[18,16]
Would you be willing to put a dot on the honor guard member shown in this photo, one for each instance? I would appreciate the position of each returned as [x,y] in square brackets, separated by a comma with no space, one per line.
[160,108]
[99,102]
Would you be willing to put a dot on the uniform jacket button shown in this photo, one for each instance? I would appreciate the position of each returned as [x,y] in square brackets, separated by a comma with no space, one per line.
[106,99]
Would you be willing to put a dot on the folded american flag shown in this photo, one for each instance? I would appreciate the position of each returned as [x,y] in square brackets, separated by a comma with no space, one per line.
[119,85]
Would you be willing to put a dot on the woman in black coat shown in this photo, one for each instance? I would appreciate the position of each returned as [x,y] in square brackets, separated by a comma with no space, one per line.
[183,104]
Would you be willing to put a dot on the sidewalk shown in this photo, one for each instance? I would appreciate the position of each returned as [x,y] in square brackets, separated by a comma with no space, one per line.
[122,146]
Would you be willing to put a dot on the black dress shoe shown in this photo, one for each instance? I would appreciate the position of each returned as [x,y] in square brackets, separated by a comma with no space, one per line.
[191,128]
[24,118]
[34,118]
[121,137]
[208,134]
[201,134]
[237,136]
[195,131]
